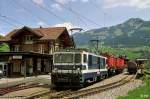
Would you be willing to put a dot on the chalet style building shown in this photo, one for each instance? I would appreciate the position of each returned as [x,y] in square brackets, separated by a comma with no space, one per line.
[31,49]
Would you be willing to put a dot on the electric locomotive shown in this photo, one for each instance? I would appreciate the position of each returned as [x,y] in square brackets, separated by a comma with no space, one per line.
[75,67]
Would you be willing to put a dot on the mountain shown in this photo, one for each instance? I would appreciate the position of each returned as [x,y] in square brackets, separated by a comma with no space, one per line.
[133,32]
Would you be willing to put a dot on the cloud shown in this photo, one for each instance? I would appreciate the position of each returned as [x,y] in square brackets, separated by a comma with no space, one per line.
[41,23]
[56,6]
[39,2]
[84,0]
[68,25]
[64,2]
[139,4]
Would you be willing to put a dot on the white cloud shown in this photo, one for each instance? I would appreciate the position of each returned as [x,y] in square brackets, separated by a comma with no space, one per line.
[64,2]
[140,4]
[84,0]
[68,25]
[41,23]
[39,2]
[56,6]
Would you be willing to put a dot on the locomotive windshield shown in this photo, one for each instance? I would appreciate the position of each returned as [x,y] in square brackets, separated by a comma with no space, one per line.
[67,58]
[1,67]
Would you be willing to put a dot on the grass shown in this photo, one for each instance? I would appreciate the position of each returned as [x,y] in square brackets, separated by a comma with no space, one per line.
[131,53]
[147,66]
[122,51]
[142,92]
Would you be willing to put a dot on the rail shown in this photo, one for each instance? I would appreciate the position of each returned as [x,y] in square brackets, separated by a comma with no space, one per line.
[147,73]
[82,93]
[70,94]
[21,86]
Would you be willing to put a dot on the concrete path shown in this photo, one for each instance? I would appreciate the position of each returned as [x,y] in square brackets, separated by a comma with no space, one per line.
[8,82]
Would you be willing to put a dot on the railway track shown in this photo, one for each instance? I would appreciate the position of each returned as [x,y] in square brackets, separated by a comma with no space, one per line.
[51,93]
[7,90]
[147,73]
[70,94]
[20,86]
[82,93]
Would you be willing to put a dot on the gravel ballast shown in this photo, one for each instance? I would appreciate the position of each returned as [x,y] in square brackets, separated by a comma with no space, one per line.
[119,91]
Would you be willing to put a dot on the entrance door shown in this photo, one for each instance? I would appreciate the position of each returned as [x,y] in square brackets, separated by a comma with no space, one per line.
[35,66]
[9,69]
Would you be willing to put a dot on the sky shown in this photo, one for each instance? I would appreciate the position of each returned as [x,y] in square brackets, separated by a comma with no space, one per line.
[86,14]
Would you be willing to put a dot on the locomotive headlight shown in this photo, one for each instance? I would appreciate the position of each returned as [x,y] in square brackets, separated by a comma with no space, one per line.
[55,70]
[78,69]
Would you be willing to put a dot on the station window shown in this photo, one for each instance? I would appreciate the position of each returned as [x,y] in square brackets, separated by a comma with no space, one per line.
[28,38]
[16,48]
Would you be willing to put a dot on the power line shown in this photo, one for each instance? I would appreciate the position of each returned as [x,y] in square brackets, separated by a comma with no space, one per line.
[28,10]
[78,17]
[49,11]
[11,19]
[98,8]
[95,5]
[9,23]
[77,13]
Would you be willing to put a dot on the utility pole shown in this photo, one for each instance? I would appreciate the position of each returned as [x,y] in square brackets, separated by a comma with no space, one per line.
[97,41]
[147,39]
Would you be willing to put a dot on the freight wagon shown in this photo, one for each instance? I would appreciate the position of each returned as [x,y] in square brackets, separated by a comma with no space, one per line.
[115,65]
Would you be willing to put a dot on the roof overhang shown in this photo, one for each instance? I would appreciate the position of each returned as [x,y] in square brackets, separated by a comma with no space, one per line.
[27,54]
[26,29]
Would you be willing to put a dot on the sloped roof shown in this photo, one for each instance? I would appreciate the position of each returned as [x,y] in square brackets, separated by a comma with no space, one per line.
[51,33]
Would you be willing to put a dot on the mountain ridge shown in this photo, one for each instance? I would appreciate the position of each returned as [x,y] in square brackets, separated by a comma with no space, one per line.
[132,32]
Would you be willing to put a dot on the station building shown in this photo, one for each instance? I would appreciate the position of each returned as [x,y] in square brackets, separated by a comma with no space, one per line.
[31,50]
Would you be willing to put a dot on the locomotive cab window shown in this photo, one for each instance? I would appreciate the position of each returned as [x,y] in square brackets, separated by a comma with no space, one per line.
[84,58]
[77,58]
[63,58]
[67,58]
[1,67]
